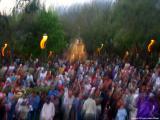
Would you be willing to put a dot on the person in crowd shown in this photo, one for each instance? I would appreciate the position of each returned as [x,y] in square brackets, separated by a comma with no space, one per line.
[75,113]
[143,104]
[89,108]
[34,102]
[67,103]
[11,100]
[100,89]
[122,112]
[98,100]
[23,110]
[2,110]
[48,110]
[29,79]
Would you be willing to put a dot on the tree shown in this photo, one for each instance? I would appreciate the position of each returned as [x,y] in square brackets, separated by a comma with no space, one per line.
[133,22]
[48,22]
[29,27]
[92,22]
[129,25]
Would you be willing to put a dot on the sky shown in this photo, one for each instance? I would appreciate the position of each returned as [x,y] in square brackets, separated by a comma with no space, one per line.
[7,5]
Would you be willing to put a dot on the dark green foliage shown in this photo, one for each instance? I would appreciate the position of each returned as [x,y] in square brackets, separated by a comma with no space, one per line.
[38,90]
[23,31]
[128,23]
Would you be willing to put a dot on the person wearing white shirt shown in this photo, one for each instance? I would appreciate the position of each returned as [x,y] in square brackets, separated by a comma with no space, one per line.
[8,79]
[87,87]
[29,79]
[157,83]
[156,79]
[48,110]
[11,68]
[67,103]
[89,109]
[43,75]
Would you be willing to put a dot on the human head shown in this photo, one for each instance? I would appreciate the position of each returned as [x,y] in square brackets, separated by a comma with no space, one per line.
[48,100]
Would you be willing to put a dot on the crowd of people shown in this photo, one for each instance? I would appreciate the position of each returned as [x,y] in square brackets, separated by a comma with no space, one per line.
[109,89]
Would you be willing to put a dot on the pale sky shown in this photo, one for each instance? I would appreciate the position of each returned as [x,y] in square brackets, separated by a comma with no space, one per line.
[7,5]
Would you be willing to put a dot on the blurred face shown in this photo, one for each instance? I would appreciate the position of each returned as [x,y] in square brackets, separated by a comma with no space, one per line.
[80,96]
[97,93]
[119,103]
[12,90]
[148,88]
[158,70]
[33,94]
[105,78]
[143,89]
[48,100]
[70,93]
[158,95]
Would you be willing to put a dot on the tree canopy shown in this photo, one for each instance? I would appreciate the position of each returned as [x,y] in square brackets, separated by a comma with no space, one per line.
[121,25]
[26,30]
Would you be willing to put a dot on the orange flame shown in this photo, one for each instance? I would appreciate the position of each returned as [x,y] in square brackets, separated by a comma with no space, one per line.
[43,41]
[3,49]
[152,42]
